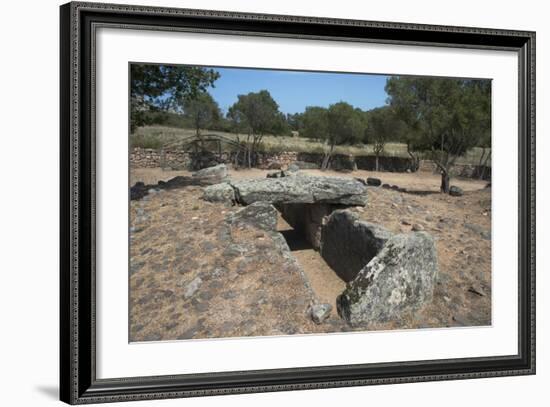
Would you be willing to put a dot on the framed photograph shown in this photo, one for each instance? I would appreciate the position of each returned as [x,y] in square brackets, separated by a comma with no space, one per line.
[254,203]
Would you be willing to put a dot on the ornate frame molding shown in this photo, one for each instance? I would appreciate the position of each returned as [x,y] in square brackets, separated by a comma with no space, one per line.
[77,250]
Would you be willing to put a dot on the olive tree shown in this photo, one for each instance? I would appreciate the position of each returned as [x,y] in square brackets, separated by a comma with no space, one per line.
[447,116]
[202,111]
[256,114]
[383,126]
[338,124]
[164,88]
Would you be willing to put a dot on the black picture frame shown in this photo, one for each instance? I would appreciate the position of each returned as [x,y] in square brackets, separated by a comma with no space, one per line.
[78,382]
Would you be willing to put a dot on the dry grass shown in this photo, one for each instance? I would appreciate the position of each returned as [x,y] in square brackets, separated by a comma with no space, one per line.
[158,136]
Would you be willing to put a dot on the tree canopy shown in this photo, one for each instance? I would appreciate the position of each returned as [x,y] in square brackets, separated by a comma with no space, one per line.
[256,114]
[164,88]
[383,126]
[338,124]
[446,116]
[202,111]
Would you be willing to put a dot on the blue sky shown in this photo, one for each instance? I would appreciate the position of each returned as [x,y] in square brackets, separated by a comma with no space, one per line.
[294,90]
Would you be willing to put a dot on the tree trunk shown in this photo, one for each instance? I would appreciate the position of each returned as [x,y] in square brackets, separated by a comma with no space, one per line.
[415,159]
[376,164]
[445,181]
[326,159]
[480,166]
[484,166]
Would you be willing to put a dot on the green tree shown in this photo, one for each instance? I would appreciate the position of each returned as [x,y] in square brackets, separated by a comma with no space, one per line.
[315,123]
[164,88]
[346,125]
[339,124]
[202,111]
[447,116]
[383,126]
[256,114]
[295,121]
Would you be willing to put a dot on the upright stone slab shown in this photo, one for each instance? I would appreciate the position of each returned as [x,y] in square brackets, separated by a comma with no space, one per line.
[399,279]
[348,243]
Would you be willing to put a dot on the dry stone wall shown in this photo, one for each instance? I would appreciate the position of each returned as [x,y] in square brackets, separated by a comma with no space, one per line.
[180,160]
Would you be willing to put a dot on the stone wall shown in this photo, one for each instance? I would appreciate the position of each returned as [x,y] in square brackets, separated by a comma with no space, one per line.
[459,170]
[179,160]
[150,158]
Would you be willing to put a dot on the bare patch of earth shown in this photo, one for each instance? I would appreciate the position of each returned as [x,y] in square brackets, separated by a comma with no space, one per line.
[192,275]
[419,181]
[461,227]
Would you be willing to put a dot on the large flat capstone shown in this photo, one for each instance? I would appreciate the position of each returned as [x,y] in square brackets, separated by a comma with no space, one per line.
[301,189]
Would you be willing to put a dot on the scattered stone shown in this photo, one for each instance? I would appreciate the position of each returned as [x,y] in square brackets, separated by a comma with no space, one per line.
[138,191]
[192,287]
[476,289]
[417,227]
[222,192]
[280,174]
[455,191]
[320,312]
[212,175]
[399,279]
[460,320]
[485,234]
[375,182]
[405,222]
[387,186]
[189,333]
[293,168]
[261,215]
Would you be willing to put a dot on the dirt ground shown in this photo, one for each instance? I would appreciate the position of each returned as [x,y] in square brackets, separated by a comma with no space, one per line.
[420,181]
[171,231]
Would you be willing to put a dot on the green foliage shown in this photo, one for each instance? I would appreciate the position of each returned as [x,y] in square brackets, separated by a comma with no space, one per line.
[447,117]
[256,114]
[201,111]
[164,88]
[315,123]
[383,125]
[346,125]
[339,124]
[295,121]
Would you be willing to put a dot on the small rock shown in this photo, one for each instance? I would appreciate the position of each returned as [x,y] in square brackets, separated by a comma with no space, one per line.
[476,289]
[405,222]
[293,168]
[320,312]
[192,287]
[375,182]
[455,191]
[416,227]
